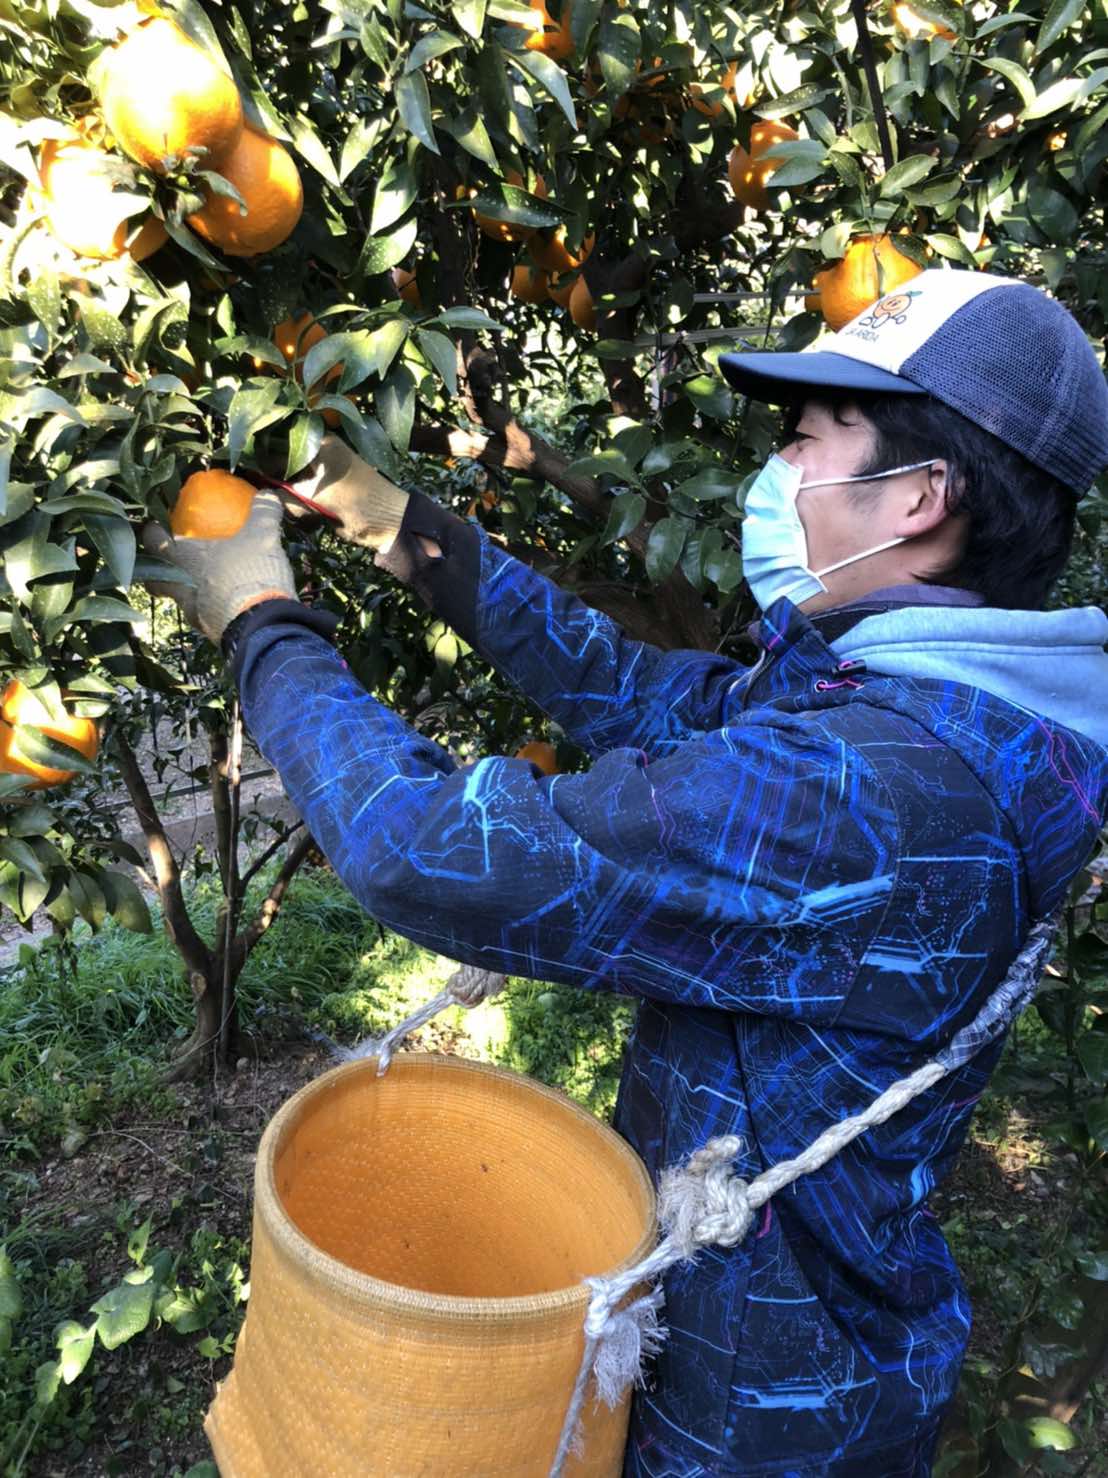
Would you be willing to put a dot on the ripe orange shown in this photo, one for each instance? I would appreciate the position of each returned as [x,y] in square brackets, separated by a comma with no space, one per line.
[541,753]
[708,107]
[265,175]
[560,290]
[77,197]
[529,284]
[552,255]
[871,269]
[914,25]
[19,705]
[581,307]
[407,286]
[211,505]
[294,337]
[748,173]
[162,95]
[553,38]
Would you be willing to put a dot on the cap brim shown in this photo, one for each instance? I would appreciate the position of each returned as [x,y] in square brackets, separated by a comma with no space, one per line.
[778,378]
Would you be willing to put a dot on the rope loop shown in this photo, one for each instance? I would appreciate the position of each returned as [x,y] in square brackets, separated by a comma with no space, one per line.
[702,1202]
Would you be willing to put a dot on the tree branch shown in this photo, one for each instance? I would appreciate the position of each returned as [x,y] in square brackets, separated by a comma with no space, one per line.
[271,907]
[256,867]
[178,925]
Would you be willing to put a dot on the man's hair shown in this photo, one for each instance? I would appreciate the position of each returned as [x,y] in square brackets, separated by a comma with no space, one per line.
[1019,521]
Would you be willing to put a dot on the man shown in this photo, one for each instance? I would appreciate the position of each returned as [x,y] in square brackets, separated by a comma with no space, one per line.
[811,872]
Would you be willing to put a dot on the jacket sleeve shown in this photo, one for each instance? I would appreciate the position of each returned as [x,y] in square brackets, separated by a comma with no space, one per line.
[714,877]
[604,689]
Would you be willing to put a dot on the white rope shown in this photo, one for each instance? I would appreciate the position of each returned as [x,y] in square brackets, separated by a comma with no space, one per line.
[468,986]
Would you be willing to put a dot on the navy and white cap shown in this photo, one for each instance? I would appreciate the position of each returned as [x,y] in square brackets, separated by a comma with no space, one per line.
[1002,353]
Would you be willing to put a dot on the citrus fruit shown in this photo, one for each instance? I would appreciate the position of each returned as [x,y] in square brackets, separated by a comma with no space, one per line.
[708,106]
[265,175]
[540,753]
[211,505]
[914,25]
[407,286]
[553,38]
[19,705]
[163,96]
[552,255]
[560,289]
[510,230]
[748,172]
[581,307]
[529,284]
[871,269]
[77,196]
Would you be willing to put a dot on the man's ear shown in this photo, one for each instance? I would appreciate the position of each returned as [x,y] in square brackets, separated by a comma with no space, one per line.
[928,503]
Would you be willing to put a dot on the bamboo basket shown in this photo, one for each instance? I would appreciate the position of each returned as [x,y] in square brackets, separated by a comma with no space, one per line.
[416,1303]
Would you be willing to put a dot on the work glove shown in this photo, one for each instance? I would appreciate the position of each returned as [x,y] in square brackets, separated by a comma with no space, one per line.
[228,575]
[369,509]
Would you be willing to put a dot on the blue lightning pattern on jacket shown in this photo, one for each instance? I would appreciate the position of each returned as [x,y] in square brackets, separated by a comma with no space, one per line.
[809,888]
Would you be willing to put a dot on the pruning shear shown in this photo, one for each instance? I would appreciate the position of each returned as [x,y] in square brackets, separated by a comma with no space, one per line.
[261,480]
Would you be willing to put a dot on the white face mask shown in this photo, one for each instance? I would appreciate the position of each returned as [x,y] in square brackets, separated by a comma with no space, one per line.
[774,545]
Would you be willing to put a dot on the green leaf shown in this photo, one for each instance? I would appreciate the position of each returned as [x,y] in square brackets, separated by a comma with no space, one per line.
[470,131]
[357,144]
[798,172]
[514,204]
[627,512]
[48,1378]
[382,252]
[793,102]
[548,75]
[1046,1432]
[395,402]
[52,753]
[471,318]
[1012,72]
[1066,1308]
[250,410]
[435,43]
[470,15]
[33,820]
[951,248]
[710,483]
[710,396]
[1059,17]
[1092,1052]
[397,188]
[413,103]
[382,345]
[75,1343]
[20,855]
[305,435]
[1052,213]
[1096,1120]
[124,1311]
[664,546]
[906,173]
[115,539]
[443,354]
[11,1298]
[125,903]
[310,147]
[618,49]
[1058,95]
[1094,1265]
[607,463]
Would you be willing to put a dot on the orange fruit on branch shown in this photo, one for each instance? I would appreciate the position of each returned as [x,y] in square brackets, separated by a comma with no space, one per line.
[79,200]
[163,95]
[529,284]
[265,175]
[582,309]
[552,255]
[749,172]
[550,37]
[707,106]
[211,505]
[19,705]
[508,230]
[872,268]
[540,753]
[914,25]
[407,287]
[294,337]
[560,288]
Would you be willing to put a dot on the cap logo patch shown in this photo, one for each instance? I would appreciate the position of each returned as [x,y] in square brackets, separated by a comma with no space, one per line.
[891,309]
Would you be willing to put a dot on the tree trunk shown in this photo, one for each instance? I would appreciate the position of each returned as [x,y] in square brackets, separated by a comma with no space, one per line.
[196,1057]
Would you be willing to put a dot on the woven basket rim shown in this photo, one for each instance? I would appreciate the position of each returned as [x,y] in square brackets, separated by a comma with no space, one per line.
[365,1289]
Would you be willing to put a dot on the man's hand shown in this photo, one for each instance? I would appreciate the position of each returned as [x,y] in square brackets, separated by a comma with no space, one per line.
[228,575]
[370,509]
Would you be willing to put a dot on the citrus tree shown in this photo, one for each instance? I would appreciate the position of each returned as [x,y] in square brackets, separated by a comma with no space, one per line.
[498,246]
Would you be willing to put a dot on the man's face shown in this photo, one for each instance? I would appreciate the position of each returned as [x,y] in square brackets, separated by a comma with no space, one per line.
[828,444]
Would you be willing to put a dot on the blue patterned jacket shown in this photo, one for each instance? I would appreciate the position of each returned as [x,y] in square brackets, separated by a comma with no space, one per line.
[809,878]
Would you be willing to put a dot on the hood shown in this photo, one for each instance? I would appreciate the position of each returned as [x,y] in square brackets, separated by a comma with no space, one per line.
[1051,663]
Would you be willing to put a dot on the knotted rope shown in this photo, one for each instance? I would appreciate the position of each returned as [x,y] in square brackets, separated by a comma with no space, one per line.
[468,986]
